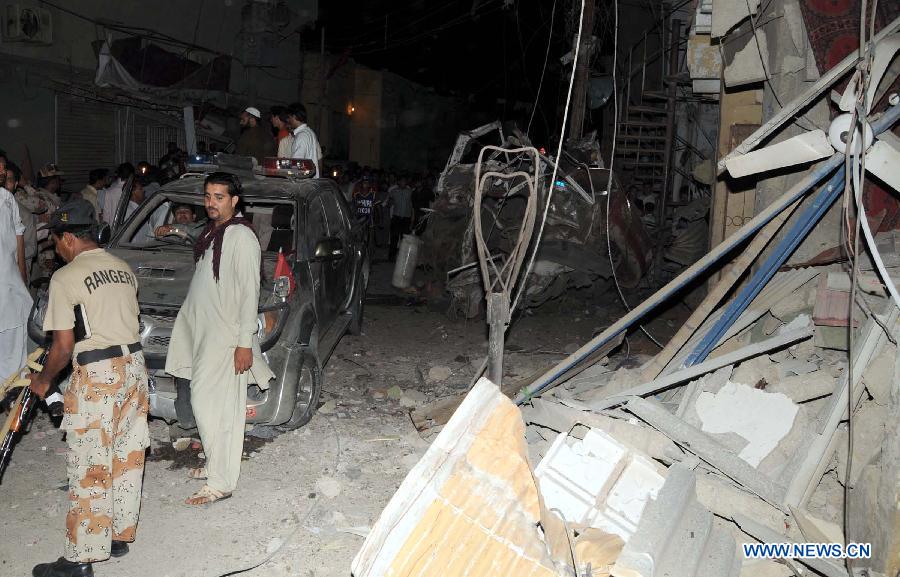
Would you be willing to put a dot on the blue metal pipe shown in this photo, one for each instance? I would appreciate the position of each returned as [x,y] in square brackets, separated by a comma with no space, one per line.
[713,257]
[808,219]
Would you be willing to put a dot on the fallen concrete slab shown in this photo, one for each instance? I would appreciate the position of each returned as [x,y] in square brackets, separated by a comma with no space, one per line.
[709,450]
[598,482]
[761,418]
[561,418]
[676,536]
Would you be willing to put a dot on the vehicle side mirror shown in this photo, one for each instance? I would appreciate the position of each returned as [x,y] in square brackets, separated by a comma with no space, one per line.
[328,249]
[103,234]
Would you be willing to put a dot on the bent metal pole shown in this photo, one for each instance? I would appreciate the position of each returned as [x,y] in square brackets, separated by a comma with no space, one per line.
[711,258]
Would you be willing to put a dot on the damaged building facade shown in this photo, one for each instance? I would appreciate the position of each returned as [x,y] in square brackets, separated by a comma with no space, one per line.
[702,250]
[90,84]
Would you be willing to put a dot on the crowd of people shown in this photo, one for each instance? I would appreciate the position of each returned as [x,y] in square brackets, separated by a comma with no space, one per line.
[391,203]
[50,231]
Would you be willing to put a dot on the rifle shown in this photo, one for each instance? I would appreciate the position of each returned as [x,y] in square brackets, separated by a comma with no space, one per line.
[20,412]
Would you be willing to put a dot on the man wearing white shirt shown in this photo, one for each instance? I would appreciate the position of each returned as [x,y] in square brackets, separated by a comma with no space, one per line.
[306,145]
[96,183]
[16,299]
[113,194]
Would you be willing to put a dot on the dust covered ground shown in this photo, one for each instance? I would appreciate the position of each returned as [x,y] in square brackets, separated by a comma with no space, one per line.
[308,495]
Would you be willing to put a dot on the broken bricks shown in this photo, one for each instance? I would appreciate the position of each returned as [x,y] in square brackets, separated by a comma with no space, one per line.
[747,434]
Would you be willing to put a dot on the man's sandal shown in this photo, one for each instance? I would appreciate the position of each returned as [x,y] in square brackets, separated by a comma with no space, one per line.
[206,495]
[198,473]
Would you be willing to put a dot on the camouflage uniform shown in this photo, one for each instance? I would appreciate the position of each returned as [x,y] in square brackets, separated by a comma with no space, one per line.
[105,418]
[106,401]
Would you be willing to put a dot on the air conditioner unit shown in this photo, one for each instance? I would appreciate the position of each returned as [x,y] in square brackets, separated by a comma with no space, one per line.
[27,24]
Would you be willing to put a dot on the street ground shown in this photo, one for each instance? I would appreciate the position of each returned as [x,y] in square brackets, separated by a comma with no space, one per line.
[307,496]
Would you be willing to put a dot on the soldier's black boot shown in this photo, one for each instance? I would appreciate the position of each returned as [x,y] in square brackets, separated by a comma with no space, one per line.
[63,568]
[118,548]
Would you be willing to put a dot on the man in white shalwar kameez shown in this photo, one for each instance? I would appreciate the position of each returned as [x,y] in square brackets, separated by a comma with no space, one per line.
[214,341]
[14,296]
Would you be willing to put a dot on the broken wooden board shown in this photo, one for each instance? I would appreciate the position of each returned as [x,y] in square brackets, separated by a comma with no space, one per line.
[663,383]
[470,506]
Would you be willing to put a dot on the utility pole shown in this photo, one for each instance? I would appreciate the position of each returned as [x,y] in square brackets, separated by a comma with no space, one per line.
[582,68]
[322,80]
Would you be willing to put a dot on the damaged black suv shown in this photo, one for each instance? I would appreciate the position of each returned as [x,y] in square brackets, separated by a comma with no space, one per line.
[303,220]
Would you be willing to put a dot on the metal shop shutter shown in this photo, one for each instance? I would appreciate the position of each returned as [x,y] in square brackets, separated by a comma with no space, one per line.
[85,138]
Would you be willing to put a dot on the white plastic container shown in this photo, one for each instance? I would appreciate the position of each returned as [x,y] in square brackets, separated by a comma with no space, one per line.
[407,256]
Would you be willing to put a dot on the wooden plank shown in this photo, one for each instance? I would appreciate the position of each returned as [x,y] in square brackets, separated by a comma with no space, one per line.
[792,108]
[739,108]
[718,292]
[796,192]
[711,451]
[778,288]
[741,197]
[816,455]
[708,366]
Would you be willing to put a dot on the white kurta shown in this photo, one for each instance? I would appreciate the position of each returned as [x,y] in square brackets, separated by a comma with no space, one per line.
[13,293]
[217,317]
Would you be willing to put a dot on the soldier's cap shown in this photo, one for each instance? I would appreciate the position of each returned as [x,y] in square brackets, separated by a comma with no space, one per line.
[75,214]
[50,170]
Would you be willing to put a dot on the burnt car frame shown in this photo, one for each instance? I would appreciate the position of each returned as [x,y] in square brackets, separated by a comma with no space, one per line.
[310,222]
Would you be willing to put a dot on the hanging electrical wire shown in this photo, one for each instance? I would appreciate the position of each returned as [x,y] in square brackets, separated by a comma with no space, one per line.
[862,73]
[612,157]
[537,97]
[551,187]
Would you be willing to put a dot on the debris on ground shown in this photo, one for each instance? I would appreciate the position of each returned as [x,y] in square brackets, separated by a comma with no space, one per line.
[574,252]
[660,469]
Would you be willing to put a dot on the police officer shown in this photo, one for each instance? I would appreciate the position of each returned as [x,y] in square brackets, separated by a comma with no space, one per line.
[107,399]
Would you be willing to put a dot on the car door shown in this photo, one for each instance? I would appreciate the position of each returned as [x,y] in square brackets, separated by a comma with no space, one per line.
[315,231]
[342,269]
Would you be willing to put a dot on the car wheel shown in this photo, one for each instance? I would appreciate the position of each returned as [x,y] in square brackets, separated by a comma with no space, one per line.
[309,387]
[356,320]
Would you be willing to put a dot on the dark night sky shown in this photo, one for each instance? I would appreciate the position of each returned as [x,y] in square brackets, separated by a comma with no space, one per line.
[491,52]
[485,50]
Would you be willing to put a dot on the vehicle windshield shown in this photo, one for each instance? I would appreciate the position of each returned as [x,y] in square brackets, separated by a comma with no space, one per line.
[175,220]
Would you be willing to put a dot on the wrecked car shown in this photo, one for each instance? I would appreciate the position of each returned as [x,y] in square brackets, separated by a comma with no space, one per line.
[304,220]
[573,252]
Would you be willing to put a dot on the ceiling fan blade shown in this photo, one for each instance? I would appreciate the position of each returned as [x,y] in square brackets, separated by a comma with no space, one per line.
[806,147]
[883,159]
[884,54]
[847,101]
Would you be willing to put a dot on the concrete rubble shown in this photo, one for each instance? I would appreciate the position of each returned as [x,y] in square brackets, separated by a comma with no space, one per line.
[661,477]
[769,417]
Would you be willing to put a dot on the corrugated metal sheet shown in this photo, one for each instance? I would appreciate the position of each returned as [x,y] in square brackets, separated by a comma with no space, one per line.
[85,138]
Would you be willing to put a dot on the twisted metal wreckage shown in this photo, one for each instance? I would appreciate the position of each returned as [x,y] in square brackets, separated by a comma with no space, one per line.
[573,251]
[769,418]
